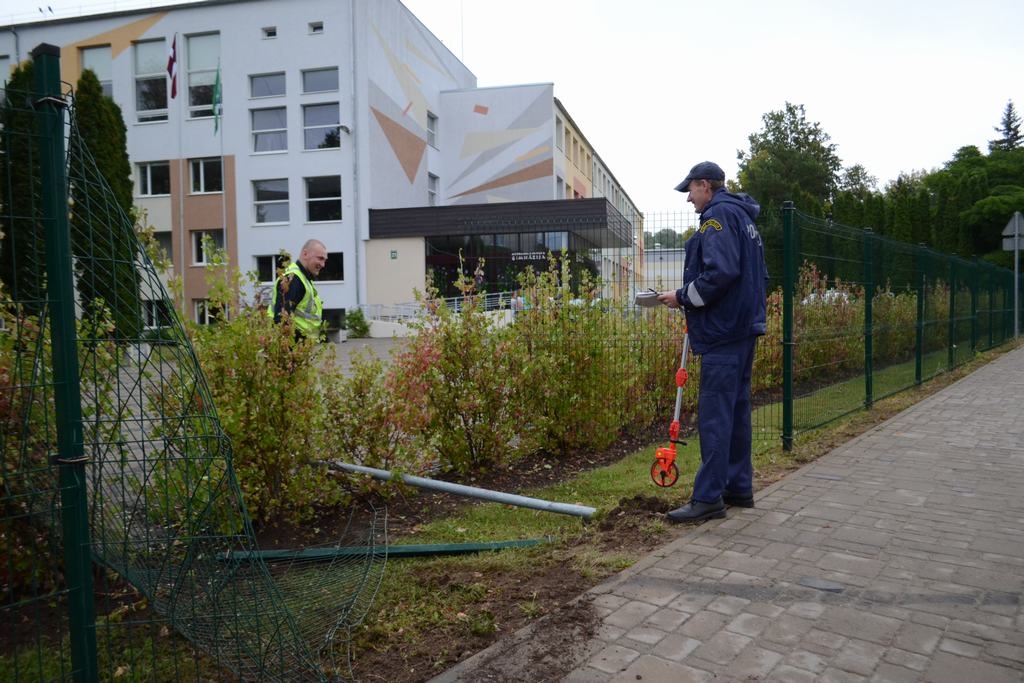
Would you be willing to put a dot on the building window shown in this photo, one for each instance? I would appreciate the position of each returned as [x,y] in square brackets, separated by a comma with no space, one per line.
[559,188]
[268,267]
[334,269]
[98,59]
[207,175]
[154,178]
[269,130]
[432,129]
[320,80]
[204,243]
[203,62]
[205,313]
[266,85]
[270,32]
[271,200]
[157,313]
[558,135]
[323,198]
[333,318]
[164,243]
[150,81]
[433,183]
[316,27]
[5,73]
[320,126]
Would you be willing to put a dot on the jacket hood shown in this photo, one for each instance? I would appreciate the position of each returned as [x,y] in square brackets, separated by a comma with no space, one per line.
[741,200]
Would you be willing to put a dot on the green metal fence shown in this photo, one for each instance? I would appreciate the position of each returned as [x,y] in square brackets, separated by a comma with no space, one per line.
[865,317]
[126,552]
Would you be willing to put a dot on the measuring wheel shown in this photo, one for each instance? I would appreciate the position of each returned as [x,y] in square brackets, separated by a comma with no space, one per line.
[664,476]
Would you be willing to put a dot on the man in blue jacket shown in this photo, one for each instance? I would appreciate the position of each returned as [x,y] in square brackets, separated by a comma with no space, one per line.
[725,282]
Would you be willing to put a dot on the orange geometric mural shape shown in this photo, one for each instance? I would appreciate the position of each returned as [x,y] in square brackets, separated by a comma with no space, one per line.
[539,170]
[407,146]
[578,187]
[481,109]
[119,38]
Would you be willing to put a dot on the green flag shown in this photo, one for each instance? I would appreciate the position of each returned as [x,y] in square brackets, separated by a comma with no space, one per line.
[216,101]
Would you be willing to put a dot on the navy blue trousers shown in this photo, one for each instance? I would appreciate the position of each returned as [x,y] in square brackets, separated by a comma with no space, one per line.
[723,421]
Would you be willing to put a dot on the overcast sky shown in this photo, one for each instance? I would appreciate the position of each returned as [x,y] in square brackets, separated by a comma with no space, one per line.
[658,85]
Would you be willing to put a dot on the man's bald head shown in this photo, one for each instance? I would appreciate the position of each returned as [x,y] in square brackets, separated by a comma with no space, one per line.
[313,256]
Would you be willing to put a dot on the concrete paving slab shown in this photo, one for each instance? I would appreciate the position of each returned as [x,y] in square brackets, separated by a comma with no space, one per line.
[898,556]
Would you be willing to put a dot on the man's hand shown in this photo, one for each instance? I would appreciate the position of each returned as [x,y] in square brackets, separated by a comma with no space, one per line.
[668,298]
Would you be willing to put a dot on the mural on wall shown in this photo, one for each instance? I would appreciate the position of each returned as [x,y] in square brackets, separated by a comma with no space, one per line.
[406,66]
[505,144]
[494,144]
[119,39]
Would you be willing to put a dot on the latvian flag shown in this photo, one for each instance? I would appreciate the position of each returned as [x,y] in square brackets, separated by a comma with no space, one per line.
[172,66]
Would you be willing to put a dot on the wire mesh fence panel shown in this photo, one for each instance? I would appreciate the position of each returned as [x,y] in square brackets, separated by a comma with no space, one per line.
[174,587]
[828,323]
[872,316]
[892,326]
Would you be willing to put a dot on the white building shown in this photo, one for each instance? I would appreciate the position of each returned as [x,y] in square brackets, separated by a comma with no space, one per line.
[329,109]
[663,268]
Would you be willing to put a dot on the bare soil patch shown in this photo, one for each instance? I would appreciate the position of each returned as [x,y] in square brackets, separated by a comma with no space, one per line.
[551,590]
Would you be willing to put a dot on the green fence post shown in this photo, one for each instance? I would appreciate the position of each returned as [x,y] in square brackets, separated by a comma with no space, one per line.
[788,282]
[1009,306]
[951,338]
[975,267]
[70,457]
[922,292]
[1009,310]
[869,296]
[991,306]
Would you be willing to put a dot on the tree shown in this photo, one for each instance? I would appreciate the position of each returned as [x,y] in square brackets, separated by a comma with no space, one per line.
[848,209]
[973,196]
[857,181]
[1009,128]
[789,157]
[908,204]
[667,238]
[102,220]
[22,253]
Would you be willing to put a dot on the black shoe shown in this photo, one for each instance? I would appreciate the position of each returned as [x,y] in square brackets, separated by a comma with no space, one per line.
[696,511]
[738,500]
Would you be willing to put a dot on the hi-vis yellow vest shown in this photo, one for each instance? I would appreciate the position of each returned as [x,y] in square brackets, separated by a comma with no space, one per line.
[308,314]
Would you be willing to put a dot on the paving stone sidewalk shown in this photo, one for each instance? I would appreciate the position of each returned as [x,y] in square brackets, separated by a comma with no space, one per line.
[899,556]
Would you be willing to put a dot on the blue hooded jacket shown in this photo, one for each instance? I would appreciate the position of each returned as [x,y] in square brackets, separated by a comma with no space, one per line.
[725,278]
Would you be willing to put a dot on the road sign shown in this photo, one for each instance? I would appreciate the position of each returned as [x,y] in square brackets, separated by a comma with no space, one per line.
[1014,227]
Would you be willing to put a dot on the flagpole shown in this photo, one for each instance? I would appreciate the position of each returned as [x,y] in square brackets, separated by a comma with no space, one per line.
[172,71]
[217,107]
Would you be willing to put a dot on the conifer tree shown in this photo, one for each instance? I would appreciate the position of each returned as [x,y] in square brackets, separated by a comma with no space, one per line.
[1009,129]
[102,219]
[22,254]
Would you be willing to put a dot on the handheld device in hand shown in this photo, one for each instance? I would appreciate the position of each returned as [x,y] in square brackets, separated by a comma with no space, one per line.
[648,299]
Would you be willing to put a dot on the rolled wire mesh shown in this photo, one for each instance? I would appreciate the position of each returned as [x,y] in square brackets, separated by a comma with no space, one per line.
[167,522]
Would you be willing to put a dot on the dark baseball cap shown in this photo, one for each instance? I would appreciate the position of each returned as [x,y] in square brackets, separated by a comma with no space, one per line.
[705,170]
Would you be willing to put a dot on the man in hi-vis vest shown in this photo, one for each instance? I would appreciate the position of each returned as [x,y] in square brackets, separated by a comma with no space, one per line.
[296,296]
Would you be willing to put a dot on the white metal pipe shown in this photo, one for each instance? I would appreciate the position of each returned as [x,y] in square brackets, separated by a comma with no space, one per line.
[473,491]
